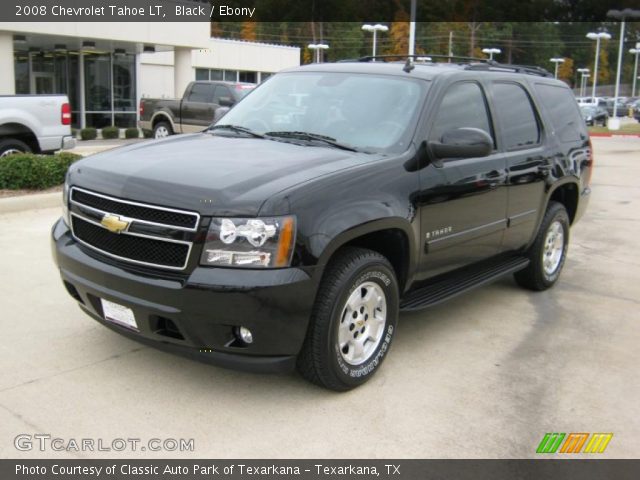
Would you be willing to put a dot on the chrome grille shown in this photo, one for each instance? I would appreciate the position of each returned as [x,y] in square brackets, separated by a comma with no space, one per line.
[167,246]
[139,211]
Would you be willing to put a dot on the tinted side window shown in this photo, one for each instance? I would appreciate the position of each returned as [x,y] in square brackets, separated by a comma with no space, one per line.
[200,92]
[221,91]
[463,105]
[563,111]
[517,118]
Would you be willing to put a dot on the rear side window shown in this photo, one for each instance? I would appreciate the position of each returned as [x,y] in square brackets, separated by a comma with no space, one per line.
[517,118]
[563,112]
[463,105]
[221,91]
[201,92]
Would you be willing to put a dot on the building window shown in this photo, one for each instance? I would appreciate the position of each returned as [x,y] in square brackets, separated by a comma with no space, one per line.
[230,75]
[215,74]
[97,81]
[202,74]
[248,77]
[124,83]
[264,76]
[21,66]
[109,83]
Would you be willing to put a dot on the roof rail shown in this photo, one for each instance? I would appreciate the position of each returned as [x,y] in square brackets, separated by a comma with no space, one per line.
[492,64]
[370,58]
[474,63]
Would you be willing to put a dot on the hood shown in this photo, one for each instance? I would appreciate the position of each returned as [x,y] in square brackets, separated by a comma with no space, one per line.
[213,175]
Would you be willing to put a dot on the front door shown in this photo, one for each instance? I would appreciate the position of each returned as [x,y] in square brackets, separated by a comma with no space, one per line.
[463,202]
[197,108]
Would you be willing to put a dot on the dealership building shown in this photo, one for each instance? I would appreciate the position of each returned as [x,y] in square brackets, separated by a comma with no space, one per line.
[106,68]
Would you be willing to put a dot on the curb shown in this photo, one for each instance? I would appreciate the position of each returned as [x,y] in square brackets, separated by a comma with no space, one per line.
[609,135]
[30,202]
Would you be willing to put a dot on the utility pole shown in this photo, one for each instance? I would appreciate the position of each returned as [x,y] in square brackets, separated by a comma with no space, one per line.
[450,45]
[412,29]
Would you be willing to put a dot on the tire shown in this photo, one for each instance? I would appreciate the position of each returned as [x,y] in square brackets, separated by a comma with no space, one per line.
[11,145]
[341,314]
[546,260]
[162,130]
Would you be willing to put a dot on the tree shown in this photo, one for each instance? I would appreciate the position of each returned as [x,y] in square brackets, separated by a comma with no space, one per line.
[248,31]
[399,32]
[565,71]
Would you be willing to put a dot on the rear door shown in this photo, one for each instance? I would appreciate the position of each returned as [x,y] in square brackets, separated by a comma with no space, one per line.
[528,160]
[462,202]
[197,107]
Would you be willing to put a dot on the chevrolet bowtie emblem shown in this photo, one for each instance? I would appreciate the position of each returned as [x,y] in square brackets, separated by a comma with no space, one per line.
[114,223]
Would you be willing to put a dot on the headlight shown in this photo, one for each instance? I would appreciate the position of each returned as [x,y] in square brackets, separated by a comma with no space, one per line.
[65,204]
[250,242]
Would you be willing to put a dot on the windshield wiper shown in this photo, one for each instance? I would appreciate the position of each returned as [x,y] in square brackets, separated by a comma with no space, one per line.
[311,137]
[235,128]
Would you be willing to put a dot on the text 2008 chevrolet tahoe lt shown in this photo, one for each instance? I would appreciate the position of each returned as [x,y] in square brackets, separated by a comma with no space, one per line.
[329,199]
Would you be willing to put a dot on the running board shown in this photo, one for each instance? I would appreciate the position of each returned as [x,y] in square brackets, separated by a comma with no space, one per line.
[455,283]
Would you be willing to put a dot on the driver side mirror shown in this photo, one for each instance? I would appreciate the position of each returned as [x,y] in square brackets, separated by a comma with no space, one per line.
[463,143]
[226,101]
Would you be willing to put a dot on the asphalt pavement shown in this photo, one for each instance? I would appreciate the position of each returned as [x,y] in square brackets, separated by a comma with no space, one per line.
[485,375]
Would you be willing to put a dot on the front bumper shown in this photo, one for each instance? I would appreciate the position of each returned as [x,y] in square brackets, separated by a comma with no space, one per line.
[196,315]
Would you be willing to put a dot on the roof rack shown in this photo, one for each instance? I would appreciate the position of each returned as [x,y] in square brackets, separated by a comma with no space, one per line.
[492,64]
[473,63]
[370,58]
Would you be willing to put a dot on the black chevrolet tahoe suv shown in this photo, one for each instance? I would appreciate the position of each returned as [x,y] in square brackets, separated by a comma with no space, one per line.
[332,197]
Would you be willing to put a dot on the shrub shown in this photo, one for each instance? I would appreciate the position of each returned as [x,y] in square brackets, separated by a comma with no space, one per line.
[89,133]
[74,132]
[30,171]
[147,133]
[131,133]
[110,132]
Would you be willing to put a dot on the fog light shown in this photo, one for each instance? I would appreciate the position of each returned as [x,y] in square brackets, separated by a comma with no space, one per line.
[244,334]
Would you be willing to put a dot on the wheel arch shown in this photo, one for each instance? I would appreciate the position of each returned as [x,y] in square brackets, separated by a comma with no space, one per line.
[21,132]
[392,238]
[162,116]
[566,193]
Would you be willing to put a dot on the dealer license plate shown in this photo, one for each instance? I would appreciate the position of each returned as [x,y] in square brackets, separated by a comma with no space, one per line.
[119,314]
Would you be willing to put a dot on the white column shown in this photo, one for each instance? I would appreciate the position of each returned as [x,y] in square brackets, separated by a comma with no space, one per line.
[182,71]
[7,74]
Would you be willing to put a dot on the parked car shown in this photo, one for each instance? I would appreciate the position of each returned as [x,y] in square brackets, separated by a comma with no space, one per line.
[294,231]
[636,111]
[34,123]
[194,112]
[594,115]
[621,109]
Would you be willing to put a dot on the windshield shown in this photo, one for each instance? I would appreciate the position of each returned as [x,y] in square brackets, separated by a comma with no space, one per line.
[367,112]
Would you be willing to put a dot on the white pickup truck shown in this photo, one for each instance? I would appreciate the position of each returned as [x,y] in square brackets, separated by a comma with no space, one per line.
[34,123]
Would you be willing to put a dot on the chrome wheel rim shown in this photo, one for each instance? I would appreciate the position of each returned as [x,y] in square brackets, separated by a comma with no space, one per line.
[11,151]
[362,323]
[162,132]
[553,248]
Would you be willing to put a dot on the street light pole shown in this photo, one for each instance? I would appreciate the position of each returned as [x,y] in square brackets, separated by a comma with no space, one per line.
[491,51]
[596,37]
[585,79]
[316,47]
[375,29]
[557,61]
[621,15]
[635,51]
[582,72]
